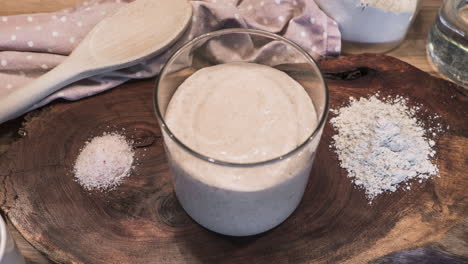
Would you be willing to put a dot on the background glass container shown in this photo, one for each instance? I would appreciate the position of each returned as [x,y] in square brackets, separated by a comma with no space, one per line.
[230,211]
[447,45]
[9,253]
[369,25]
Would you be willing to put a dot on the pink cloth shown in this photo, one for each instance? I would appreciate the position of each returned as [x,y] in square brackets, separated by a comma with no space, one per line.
[32,44]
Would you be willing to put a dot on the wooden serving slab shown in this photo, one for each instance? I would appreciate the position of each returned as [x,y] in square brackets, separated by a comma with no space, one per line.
[142,222]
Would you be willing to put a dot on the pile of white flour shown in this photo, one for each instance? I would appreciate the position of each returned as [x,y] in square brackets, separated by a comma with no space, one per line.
[395,6]
[381,144]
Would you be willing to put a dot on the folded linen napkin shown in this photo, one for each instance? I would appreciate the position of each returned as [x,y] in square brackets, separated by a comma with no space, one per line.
[32,44]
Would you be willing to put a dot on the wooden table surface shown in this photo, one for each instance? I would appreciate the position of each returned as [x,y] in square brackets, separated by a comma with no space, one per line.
[412,51]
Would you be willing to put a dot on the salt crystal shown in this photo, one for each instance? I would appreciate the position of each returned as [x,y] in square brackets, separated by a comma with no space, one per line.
[104,162]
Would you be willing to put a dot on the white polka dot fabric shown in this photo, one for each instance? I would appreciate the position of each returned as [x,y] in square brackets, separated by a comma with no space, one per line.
[32,44]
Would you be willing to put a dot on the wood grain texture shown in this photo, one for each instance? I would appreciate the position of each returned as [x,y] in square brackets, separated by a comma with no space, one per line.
[142,222]
[412,51]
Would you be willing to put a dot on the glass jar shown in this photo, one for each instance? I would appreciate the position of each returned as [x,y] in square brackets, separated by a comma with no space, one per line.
[245,208]
[9,253]
[371,25]
[447,45]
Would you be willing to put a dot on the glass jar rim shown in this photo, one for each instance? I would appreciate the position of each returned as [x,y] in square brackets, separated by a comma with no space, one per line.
[209,35]
[449,16]
[3,238]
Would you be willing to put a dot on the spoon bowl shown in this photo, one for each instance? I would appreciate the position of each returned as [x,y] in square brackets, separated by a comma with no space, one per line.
[136,32]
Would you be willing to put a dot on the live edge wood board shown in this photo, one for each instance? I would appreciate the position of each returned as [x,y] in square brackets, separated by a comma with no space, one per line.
[142,222]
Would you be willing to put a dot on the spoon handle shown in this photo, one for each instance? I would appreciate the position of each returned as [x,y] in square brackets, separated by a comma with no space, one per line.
[22,99]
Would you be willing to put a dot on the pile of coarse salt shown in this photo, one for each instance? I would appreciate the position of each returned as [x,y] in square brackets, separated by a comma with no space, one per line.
[104,162]
[381,144]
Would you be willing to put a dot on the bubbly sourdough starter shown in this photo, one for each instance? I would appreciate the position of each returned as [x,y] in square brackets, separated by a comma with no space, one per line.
[240,113]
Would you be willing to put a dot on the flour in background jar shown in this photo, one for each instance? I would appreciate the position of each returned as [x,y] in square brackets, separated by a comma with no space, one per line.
[371,25]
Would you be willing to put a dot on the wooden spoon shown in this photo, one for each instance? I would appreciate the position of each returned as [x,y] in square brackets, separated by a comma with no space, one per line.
[135,32]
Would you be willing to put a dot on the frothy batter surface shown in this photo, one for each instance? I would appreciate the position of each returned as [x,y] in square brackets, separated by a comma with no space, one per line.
[241,112]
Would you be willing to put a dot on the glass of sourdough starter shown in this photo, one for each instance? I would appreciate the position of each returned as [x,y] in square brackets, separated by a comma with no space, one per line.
[241,112]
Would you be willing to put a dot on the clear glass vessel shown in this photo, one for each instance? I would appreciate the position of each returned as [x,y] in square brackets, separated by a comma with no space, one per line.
[447,45]
[246,210]
[9,253]
[371,25]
